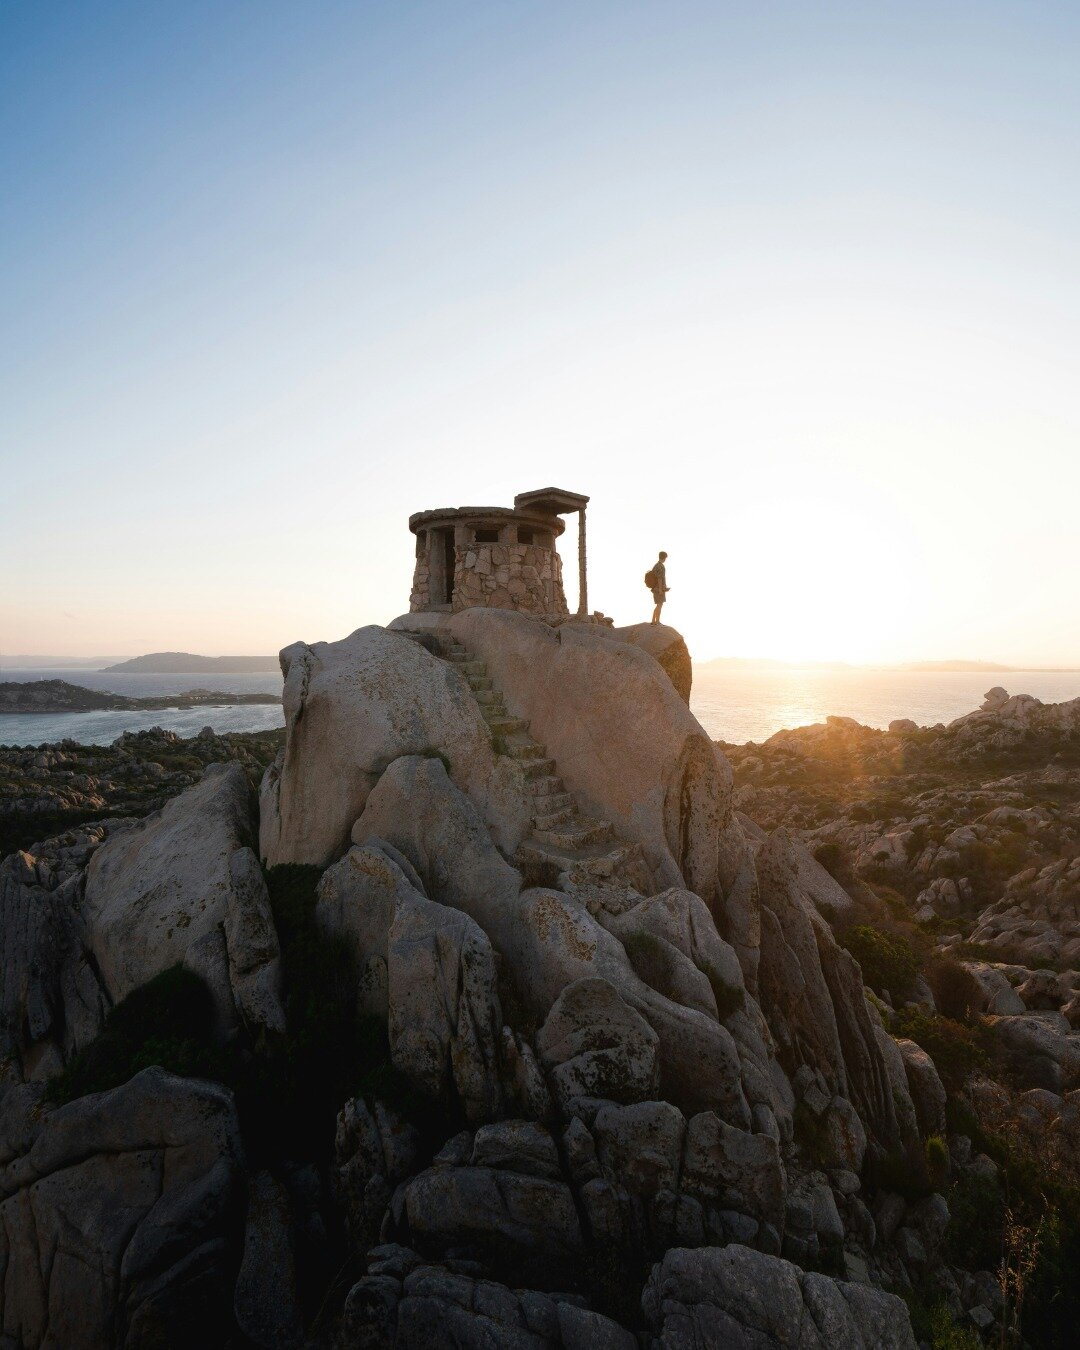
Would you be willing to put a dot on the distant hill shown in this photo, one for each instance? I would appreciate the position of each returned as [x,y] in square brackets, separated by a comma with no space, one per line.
[49,696]
[186,663]
[991,667]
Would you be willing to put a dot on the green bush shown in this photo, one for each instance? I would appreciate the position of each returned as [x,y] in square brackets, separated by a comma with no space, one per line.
[933,1325]
[167,1021]
[973,1239]
[1041,1197]
[936,1153]
[956,991]
[953,1048]
[887,960]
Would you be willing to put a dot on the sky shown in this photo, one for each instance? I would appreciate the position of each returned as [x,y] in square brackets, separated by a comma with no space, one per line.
[791,291]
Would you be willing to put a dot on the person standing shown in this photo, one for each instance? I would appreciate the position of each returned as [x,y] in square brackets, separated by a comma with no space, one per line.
[657,583]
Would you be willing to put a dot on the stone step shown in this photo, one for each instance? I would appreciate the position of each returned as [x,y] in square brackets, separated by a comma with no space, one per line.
[536,768]
[549,786]
[599,862]
[468,667]
[579,835]
[489,698]
[544,804]
[478,683]
[503,725]
[551,820]
[605,862]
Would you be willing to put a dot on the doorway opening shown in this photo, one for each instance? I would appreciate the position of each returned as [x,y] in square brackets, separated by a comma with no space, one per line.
[449,565]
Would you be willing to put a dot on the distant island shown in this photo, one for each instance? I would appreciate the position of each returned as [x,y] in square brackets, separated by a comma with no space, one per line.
[49,696]
[187,663]
[769,663]
[974,667]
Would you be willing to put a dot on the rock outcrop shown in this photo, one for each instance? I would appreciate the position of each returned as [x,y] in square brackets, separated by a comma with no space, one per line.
[734,1297]
[183,886]
[612,1041]
[52,1000]
[119,1215]
[428,969]
[812,994]
[351,708]
[667,646]
[548,939]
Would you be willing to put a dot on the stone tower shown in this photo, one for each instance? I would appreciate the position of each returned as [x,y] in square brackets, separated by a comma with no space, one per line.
[496,556]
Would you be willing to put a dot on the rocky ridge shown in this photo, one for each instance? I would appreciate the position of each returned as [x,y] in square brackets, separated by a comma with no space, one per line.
[585,1062]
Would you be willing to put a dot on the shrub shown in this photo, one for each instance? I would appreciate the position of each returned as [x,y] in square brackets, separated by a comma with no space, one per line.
[897,906]
[973,1238]
[834,860]
[887,960]
[884,1011]
[167,1021]
[936,1153]
[956,991]
[730,998]
[933,1325]
[952,1047]
[1036,1196]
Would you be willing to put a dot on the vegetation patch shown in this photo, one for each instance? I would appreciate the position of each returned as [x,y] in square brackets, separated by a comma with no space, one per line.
[168,1021]
[1027,1227]
[936,1154]
[888,960]
[957,993]
[954,1048]
[22,829]
[933,1325]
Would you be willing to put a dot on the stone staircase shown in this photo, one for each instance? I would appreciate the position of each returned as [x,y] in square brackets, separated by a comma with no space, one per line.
[565,846]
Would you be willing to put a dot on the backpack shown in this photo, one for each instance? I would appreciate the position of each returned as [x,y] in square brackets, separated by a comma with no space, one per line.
[650,578]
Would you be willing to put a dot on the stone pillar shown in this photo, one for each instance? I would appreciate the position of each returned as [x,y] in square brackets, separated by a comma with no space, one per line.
[583,588]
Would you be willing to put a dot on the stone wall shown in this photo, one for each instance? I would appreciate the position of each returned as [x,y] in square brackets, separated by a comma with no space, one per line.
[509,576]
[421,585]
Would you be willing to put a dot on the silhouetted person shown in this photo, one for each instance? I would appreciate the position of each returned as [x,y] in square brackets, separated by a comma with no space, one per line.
[657,583]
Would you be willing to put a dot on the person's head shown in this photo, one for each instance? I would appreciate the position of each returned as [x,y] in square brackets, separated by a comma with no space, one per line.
[663,556]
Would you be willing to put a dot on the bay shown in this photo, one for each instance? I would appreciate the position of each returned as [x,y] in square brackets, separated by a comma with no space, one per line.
[102,728]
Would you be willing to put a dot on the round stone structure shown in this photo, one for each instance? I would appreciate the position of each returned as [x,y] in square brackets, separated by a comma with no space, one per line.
[495,556]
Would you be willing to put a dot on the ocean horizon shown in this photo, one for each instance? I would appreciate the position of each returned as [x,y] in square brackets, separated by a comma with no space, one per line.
[733,705]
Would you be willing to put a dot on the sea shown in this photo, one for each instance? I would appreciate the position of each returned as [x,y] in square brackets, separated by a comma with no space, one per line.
[732,705]
[102,728]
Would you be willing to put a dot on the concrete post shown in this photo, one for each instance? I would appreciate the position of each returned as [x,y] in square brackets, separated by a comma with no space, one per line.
[583,587]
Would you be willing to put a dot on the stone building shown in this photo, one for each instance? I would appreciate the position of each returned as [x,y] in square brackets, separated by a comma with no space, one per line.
[496,556]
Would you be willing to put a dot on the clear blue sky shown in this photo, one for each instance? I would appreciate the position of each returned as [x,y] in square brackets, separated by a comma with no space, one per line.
[791,289]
